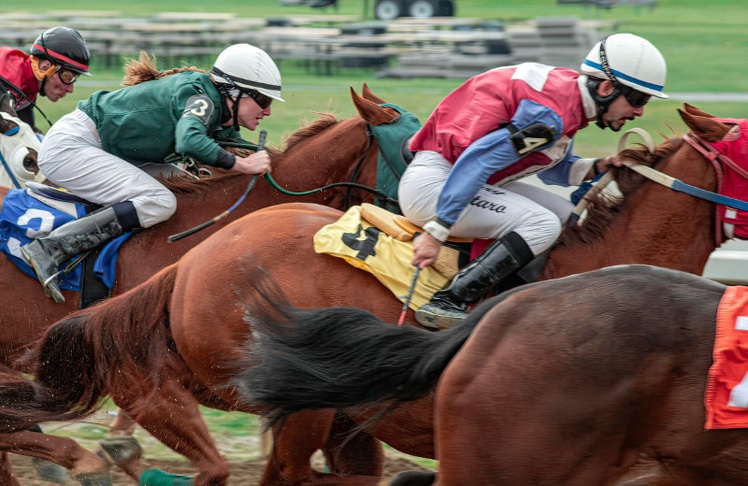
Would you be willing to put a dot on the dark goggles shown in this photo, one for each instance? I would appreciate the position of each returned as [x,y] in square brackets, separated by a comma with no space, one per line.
[637,99]
[66,76]
[261,100]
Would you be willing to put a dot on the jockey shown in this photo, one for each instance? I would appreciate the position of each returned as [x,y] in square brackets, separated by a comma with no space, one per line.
[57,57]
[95,151]
[501,126]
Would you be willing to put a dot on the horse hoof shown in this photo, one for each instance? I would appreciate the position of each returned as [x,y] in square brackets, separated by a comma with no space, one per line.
[157,477]
[121,448]
[414,478]
[100,478]
[50,471]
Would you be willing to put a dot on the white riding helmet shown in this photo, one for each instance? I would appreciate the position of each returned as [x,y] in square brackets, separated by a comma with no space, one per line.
[631,61]
[248,67]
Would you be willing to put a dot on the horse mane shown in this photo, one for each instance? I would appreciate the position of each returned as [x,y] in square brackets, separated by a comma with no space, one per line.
[144,69]
[186,184]
[602,207]
[310,129]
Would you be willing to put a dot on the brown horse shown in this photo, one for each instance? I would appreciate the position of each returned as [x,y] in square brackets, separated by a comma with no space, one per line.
[593,379]
[177,341]
[25,312]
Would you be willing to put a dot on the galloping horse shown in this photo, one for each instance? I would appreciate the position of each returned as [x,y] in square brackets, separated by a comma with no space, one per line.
[178,340]
[19,148]
[341,151]
[593,379]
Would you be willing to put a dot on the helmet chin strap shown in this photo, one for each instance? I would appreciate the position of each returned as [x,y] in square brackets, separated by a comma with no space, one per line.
[225,89]
[603,102]
[42,76]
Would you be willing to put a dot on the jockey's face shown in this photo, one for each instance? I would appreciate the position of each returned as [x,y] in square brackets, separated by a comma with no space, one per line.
[250,113]
[54,88]
[620,110]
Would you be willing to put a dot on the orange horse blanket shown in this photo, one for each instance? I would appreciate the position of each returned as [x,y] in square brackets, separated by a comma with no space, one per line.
[727,384]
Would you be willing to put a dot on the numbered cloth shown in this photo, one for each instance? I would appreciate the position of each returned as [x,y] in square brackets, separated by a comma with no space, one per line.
[369,248]
[24,218]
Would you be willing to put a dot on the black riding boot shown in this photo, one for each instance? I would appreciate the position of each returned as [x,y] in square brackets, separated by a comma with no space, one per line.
[449,305]
[47,253]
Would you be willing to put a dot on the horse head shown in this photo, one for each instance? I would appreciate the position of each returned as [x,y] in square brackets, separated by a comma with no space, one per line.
[19,148]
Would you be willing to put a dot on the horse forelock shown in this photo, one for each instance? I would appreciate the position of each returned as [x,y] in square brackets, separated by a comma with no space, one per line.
[310,129]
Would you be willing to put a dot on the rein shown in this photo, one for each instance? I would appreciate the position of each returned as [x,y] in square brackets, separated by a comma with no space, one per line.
[702,147]
[351,184]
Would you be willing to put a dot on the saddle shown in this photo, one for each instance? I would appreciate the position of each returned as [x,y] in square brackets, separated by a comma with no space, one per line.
[380,242]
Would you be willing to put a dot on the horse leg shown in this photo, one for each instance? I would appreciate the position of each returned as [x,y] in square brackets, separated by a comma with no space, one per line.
[6,471]
[87,467]
[347,454]
[172,416]
[293,445]
[120,448]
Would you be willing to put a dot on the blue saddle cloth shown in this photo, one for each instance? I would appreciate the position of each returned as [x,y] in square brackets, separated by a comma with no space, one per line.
[24,217]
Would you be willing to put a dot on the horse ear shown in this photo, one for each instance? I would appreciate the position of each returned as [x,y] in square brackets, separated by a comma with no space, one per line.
[6,105]
[370,111]
[695,111]
[705,127]
[366,92]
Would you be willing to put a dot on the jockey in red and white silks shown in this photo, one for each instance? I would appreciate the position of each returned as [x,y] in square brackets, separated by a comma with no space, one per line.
[465,165]
[503,125]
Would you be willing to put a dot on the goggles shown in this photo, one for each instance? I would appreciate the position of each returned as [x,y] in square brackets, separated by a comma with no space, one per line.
[259,98]
[637,99]
[67,76]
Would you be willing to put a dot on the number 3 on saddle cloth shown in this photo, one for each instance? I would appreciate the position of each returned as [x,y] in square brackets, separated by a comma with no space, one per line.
[30,213]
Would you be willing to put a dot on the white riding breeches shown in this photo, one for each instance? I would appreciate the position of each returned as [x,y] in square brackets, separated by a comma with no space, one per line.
[72,157]
[534,213]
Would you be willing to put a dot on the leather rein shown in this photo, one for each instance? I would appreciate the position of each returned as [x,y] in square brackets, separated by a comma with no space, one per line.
[705,148]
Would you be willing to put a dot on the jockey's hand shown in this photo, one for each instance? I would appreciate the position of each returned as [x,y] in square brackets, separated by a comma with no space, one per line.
[425,250]
[256,163]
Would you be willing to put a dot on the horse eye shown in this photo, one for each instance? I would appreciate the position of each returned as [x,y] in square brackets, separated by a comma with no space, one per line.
[29,162]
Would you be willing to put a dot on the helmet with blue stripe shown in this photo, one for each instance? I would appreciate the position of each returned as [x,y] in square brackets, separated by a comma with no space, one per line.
[629,60]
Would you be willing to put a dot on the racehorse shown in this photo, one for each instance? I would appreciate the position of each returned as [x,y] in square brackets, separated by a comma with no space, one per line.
[19,148]
[593,379]
[177,340]
[320,153]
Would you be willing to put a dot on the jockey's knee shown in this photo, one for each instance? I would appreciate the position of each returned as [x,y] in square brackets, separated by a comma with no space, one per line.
[540,231]
[156,208]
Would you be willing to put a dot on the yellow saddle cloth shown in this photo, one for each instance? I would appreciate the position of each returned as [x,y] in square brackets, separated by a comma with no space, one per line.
[375,240]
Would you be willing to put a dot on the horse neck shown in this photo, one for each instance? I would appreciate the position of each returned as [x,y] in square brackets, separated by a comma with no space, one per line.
[656,226]
[343,152]
[148,251]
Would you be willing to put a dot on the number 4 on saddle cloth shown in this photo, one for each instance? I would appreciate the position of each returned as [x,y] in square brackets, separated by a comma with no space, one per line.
[379,242]
[34,212]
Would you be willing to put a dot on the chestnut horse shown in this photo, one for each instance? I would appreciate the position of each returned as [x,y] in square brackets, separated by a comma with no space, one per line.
[593,379]
[177,341]
[323,152]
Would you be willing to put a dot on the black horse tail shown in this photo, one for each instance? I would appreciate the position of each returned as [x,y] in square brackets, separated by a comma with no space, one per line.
[338,357]
[113,345]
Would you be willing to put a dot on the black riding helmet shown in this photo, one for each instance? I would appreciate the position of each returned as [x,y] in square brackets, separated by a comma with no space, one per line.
[63,46]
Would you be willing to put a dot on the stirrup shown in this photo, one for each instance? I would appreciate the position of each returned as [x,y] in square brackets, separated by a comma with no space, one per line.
[51,289]
[436,315]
